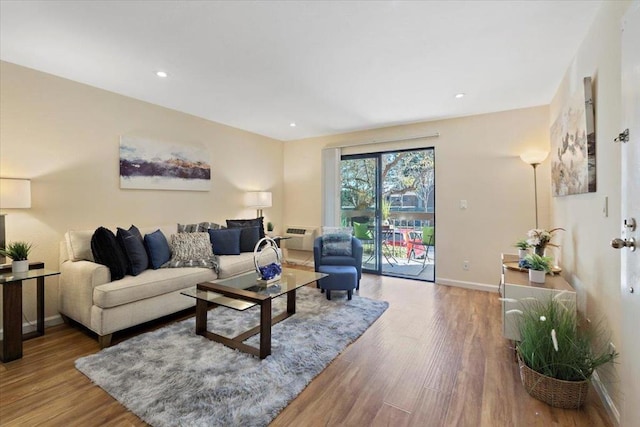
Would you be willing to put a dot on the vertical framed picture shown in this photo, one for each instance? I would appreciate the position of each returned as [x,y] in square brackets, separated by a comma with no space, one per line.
[150,164]
[573,145]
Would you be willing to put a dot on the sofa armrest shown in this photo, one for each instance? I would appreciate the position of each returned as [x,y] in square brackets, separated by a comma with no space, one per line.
[75,293]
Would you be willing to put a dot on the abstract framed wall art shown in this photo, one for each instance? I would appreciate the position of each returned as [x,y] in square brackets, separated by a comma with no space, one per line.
[150,164]
[573,145]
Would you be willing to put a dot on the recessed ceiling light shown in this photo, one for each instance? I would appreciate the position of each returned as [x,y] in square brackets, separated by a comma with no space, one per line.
[161,74]
[292,124]
[459,95]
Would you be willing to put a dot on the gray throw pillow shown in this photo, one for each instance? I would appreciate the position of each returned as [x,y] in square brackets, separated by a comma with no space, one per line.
[191,250]
[336,245]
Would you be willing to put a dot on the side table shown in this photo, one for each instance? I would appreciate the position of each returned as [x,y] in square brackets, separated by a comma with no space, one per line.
[11,347]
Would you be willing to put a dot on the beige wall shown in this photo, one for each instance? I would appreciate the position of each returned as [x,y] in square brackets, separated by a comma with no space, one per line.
[64,136]
[477,159]
[589,261]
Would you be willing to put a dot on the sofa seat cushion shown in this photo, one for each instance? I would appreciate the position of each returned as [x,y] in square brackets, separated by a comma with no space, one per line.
[148,284]
[232,265]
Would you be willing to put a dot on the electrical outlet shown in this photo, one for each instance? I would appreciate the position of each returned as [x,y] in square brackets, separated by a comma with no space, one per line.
[464,204]
[465,265]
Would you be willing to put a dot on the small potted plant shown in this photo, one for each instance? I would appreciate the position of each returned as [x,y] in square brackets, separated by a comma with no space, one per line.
[523,248]
[19,253]
[269,227]
[558,353]
[538,267]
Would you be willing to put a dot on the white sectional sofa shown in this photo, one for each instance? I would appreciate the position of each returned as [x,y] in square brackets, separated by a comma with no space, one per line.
[88,296]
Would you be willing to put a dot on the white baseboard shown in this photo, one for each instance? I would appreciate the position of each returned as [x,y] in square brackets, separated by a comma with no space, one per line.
[467,285]
[27,327]
[602,391]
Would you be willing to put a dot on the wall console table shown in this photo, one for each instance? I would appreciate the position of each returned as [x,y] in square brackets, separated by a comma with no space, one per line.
[11,347]
[515,284]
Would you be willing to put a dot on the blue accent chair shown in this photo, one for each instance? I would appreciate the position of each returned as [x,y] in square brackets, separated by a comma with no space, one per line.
[355,260]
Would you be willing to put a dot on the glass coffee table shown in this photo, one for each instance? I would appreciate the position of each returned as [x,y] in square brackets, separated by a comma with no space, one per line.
[243,292]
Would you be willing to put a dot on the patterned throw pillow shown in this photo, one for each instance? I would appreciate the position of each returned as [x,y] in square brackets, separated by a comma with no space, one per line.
[201,227]
[336,241]
[191,250]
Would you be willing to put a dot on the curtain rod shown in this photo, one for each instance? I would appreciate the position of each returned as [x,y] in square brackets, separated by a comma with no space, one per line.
[410,138]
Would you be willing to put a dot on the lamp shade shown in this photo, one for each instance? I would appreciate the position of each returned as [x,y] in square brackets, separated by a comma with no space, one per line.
[258,199]
[15,193]
[534,157]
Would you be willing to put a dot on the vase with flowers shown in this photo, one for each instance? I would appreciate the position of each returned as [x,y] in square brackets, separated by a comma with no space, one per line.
[539,239]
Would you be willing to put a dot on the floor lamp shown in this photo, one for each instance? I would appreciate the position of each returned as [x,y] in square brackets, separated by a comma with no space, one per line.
[14,194]
[258,200]
[534,158]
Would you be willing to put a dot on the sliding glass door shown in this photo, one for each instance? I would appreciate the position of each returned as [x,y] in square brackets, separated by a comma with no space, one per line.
[389,200]
[359,200]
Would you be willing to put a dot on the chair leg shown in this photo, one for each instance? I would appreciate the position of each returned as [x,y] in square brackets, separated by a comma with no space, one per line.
[328,294]
[349,294]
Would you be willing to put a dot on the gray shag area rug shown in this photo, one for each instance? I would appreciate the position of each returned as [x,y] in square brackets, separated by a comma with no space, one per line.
[173,377]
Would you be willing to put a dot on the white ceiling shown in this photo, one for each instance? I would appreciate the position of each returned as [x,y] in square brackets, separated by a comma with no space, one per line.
[329,66]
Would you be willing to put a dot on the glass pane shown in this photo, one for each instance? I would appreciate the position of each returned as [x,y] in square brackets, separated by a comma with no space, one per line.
[408,214]
[358,204]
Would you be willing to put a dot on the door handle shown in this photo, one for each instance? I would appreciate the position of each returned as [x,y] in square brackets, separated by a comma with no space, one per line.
[618,243]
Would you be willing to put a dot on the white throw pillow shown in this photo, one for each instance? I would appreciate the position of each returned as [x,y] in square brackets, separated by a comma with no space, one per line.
[79,244]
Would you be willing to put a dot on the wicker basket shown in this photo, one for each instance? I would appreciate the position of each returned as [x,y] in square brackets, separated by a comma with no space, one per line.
[557,393]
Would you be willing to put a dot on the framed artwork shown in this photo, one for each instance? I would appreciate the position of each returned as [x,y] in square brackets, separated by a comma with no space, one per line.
[573,145]
[150,164]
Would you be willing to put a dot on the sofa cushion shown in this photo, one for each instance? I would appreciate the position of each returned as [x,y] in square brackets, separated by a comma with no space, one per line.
[249,236]
[336,245]
[79,244]
[205,226]
[241,223]
[226,241]
[158,249]
[148,284]
[232,265]
[187,228]
[133,247]
[107,251]
[191,250]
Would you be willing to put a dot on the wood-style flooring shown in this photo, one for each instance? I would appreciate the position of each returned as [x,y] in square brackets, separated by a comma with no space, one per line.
[436,357]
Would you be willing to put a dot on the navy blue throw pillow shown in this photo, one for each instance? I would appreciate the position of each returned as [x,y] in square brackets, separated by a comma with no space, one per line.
[242,223]
[225,241]
[157,248]
[107,251]
[249,236]
[133,247]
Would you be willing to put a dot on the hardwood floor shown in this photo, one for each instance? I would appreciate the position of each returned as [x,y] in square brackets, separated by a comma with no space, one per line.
[436,357]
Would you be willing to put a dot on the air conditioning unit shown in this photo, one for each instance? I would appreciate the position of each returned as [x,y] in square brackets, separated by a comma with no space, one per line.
[300,238]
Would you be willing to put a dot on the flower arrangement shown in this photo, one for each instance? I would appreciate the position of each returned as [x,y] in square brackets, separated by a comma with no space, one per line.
[554,344]
[522,244]
[539,239]
[270,271]
[17,251]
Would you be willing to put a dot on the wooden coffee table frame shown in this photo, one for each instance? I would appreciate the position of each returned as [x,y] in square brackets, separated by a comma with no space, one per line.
[266,320]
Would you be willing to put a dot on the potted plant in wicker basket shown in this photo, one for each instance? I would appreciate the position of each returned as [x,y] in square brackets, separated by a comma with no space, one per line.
[557,355]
